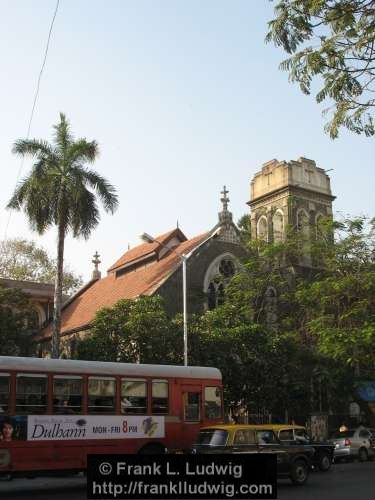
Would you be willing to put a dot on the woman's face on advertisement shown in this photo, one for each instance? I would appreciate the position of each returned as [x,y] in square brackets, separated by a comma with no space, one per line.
[7,432]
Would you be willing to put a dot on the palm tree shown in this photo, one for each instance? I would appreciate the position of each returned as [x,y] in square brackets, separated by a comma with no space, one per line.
[60,191]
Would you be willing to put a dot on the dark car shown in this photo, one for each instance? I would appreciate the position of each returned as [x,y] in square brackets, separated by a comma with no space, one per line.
[297,434]
[293,461]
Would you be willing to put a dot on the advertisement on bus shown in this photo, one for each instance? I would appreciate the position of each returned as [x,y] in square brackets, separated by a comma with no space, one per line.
[70,427]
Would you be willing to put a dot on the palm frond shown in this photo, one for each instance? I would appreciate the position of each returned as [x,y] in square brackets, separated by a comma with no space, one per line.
[84,212]
[82,151]
[16,201]
[40,169]
[58,190]
[62,135]
[105,190]
[34,148]
[33,196]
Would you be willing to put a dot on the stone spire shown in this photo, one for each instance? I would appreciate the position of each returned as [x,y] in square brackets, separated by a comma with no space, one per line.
[96,274]
[225,217]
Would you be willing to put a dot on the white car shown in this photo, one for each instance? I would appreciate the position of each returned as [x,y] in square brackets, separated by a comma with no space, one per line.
[354,443]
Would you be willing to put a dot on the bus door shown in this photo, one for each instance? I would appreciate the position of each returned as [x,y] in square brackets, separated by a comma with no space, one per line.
[192,403]
[191,413]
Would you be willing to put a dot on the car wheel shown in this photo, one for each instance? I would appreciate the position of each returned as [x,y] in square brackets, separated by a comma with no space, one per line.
[362,455]
[324,462]
[299,472]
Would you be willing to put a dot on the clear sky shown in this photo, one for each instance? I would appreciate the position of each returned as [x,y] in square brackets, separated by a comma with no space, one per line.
[183,97]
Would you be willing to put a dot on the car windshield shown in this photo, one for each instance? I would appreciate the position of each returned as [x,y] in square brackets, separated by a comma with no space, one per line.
[266,437]
[212,437]
[343,435]
[302,435]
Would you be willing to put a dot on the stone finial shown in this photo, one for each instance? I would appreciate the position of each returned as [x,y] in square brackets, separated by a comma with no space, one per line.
[225,217]
[225,200]
[96,274]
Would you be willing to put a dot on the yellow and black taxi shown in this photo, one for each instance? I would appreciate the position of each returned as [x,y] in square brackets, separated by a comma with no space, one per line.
[293,461]
[297,434]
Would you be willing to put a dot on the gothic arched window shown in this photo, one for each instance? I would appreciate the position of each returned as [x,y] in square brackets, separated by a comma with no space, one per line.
[319,225]
[278,226]
[211,296]
[303,223]
[217,277]
[220,295]
[226,268]
[303,227]
[262,228]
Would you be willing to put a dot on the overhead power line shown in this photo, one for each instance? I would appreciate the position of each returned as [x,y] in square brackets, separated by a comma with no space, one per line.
[36,94]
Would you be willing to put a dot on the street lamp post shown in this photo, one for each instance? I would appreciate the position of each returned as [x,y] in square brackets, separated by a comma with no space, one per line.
[184,257]
[150,239]
[184,300]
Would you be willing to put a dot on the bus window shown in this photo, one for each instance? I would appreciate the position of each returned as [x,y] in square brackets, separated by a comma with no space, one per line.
[212,402]
[4,392]
[160,397]
[101,395]
[31,394]
[133,396]
[67,394]
[192,406]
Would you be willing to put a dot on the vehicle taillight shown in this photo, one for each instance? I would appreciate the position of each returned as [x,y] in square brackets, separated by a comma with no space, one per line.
[347,442]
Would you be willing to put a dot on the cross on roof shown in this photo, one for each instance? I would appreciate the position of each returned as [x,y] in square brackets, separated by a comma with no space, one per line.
[96,260]
[224,199]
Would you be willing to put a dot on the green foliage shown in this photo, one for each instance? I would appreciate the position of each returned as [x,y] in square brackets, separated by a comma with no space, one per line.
[323,338]
[244,225]
[132,331]
[265,270]
[308,360]
[332,40]
[58,190]
[15,321]
[23,260]
[61,191]
[339,305]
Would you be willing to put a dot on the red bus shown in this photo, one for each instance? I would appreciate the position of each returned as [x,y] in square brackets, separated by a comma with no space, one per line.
[53,412]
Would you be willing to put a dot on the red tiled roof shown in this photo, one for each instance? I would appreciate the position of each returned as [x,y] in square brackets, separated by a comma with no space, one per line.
[143,280]
[146,248]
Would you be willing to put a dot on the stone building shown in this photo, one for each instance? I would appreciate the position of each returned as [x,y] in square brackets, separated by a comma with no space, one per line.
[41,296]
[295,194]
[291,196]
[156,268]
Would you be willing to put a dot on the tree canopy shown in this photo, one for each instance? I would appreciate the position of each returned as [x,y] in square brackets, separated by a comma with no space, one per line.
[287,339]
[331,41]
[131,331]
[16,322]
[21,259]
[61,191]
[339,304]
[307,331]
